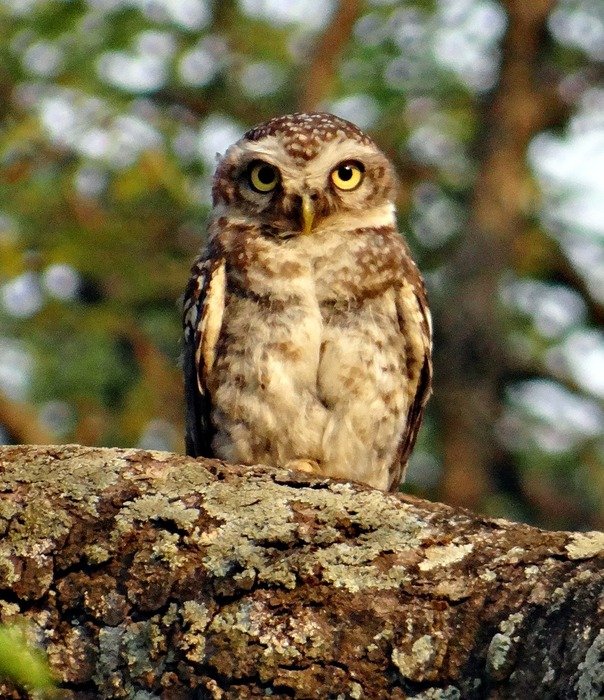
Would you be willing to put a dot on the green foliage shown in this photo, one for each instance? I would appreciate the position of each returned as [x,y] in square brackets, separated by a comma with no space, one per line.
[21,663]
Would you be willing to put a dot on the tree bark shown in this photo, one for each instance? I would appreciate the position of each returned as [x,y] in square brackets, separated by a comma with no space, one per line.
[470,356]
[153,575]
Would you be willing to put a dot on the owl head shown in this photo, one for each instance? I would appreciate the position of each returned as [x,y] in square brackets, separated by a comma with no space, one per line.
[295,172]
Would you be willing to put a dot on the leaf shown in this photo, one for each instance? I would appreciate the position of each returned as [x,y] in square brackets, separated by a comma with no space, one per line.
[21,663]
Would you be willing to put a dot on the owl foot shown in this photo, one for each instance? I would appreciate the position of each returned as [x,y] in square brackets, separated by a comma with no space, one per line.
[308,466]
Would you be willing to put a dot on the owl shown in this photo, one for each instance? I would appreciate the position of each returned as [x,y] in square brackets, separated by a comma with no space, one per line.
[307,335]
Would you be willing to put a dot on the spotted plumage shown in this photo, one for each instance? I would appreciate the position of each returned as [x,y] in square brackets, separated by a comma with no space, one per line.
[307,335]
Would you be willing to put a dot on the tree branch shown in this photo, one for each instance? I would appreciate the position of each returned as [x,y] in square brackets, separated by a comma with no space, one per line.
[320,77]
[21,421]
[157,574]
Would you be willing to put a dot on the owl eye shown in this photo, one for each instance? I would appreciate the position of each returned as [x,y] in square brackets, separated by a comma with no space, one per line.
[263,177]
[348,175]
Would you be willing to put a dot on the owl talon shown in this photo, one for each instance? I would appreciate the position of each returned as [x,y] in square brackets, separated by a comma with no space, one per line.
[308,466]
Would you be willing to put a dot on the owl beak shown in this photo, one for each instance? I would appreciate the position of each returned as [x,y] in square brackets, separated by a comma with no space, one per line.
[308,213]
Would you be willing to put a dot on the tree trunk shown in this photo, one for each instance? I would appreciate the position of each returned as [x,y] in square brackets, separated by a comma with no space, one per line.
[470,356]
[153,575]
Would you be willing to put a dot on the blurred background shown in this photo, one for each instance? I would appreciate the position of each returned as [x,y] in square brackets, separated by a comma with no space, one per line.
[112,112]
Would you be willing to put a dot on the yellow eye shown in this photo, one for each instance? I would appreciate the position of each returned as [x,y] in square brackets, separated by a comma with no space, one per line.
[348,175]
[263,177]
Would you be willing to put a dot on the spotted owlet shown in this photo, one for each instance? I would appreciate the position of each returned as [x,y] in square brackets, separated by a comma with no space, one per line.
[307,336]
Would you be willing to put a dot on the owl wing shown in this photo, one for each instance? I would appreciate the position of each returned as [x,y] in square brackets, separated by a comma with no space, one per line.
[203,310]
[415,324]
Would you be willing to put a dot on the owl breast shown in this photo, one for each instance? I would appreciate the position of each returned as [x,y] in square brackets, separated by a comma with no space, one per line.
[307,336]
[309,365]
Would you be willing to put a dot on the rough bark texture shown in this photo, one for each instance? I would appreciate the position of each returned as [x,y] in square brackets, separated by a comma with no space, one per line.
[151,575]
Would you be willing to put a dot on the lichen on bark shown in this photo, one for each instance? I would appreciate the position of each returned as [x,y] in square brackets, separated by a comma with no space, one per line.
[153,575]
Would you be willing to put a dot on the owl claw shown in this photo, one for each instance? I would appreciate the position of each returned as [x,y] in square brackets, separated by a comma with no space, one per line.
[308,466]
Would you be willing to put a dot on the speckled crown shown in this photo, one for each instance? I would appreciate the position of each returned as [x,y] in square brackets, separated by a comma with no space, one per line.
[304,134]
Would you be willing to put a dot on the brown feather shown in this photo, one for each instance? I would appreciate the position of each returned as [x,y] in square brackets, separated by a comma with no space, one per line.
[307,349]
